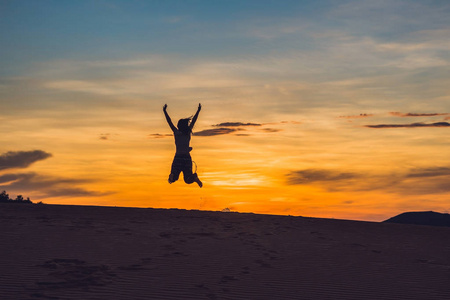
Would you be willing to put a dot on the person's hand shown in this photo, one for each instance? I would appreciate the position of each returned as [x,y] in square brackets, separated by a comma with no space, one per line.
[164,107]
[199,106]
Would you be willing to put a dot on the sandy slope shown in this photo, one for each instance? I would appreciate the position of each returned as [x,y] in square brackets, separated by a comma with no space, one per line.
[76,252]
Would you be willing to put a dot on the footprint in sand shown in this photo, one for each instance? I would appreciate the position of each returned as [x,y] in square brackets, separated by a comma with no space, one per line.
[74,273]
[263,264]
[132,267]
[226,279]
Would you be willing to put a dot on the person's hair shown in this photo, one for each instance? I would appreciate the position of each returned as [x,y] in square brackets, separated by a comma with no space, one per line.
[183,126]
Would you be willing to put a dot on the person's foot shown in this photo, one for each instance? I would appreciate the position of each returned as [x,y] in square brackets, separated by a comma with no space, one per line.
[200,184]
[171,177]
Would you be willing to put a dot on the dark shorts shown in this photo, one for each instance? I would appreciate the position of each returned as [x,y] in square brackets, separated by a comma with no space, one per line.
[182,163]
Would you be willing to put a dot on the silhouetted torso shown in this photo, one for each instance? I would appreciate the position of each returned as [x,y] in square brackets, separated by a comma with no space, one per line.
[182,142]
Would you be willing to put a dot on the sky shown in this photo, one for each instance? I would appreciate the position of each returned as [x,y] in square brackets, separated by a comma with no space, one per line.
[336,109]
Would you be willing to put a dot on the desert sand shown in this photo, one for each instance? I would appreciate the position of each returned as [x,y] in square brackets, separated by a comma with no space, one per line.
[88,252]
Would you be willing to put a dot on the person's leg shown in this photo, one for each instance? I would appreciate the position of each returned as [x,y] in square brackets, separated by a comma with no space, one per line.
[173,177]
[190,177]
[175,170]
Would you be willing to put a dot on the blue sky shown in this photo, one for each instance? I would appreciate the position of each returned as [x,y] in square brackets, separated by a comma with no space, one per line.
[37,30]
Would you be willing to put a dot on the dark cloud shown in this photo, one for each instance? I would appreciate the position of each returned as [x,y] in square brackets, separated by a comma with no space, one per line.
[286,122]
[412,125]
[432,180]
[216,131]
[236,124]
[42,185]
[421,186]
[104,136]
[417,181]
[21,159]
[270,130]
[46,185]
[399,114]
[9,177]
[357,116]
[429,172]
[316,175]
[158,135]
[74,192]
[108,136]
[233,127]
[34,180]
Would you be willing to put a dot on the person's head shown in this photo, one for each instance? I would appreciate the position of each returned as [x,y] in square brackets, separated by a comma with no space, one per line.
[183,126]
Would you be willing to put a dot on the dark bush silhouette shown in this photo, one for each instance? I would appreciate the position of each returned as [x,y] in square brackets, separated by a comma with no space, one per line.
[4,198]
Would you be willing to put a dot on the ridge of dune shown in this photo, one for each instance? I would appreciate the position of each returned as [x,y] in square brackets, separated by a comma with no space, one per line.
[89,252]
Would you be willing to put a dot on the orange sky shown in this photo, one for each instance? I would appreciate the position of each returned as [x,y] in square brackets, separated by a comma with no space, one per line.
[333,168]
[349,107]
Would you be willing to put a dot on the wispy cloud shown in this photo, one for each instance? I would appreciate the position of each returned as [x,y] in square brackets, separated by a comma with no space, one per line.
[142,77]
[288,122]
[271,130]
[47,186]
[234,127]
[236,124]
[158,135]
[427,180]
[105,136]
[412,125]
[429,172]
[21,159]
[399,114]
[238,128]
[357,116]
[215,131]
[317,175]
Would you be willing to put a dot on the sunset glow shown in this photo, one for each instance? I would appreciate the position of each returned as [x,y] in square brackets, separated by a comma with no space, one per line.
[311,108]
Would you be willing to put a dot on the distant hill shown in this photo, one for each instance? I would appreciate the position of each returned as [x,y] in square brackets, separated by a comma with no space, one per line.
[422,218]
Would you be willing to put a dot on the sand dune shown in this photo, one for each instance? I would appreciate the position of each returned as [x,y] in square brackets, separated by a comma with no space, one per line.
[79,252]
[421,218]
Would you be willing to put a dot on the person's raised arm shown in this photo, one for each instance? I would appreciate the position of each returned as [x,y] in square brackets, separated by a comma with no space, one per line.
[194,119]
[169,121]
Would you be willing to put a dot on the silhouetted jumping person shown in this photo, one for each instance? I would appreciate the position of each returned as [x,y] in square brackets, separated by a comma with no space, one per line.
[182,162]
